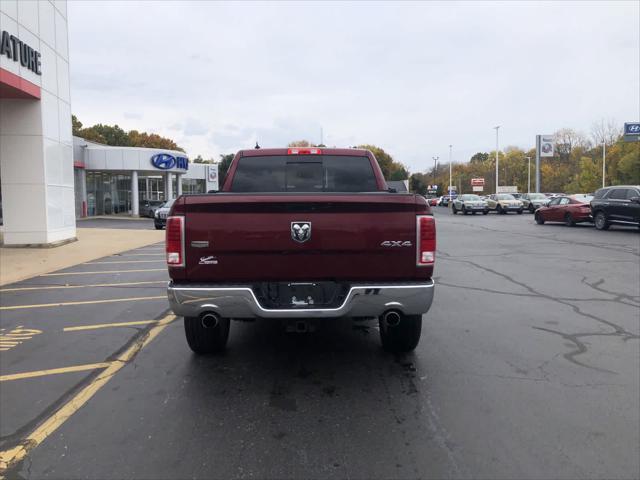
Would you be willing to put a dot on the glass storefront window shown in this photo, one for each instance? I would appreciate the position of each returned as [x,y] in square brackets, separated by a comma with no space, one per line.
[108,194]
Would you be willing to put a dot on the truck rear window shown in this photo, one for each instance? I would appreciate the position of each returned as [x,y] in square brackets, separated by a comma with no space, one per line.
[304,174]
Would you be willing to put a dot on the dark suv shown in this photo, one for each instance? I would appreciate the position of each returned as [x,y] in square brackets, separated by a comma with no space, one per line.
[619,204]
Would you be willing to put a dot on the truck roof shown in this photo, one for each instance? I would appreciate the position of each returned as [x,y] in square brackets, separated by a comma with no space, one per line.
[261,152]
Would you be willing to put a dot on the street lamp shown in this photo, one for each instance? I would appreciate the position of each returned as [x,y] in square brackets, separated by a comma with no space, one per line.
[435,168]
[529,175]
[604,160]
[496,129]
[450,179]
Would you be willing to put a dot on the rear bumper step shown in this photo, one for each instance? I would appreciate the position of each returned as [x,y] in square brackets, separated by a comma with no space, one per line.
[363,300]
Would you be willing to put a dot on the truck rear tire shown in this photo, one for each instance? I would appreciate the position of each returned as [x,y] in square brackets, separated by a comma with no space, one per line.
[404,336]
[203,340]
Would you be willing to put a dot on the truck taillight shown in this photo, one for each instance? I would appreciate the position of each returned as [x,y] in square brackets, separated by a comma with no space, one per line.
[175,241]
[425,240]
[304,151]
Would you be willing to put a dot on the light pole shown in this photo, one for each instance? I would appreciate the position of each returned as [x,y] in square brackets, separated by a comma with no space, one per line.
[604,160]
[435,168]
[497,128]
[528,175]
[450,179]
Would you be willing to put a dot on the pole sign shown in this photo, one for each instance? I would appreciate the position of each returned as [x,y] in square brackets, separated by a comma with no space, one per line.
[477,182]
[212,177]
[507,189]
[546,146]
[477,188]
[432,188]
[632,132]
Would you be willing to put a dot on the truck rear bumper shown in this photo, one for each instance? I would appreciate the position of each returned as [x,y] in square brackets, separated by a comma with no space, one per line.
[363,300]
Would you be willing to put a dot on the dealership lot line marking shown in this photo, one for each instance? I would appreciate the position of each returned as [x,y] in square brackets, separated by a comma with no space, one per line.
[85,302]
[15,337]
[54,287]
[105,271]
[123,261]
[51,424]
[54,371]
[107,325]
[140,255]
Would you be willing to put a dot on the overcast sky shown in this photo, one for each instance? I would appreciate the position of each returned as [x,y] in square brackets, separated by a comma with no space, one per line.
[411,78]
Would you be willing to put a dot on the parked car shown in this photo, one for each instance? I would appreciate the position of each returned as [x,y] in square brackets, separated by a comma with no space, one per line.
[504,203]
[568,210]
[517,196]
[284,242]
[148,207]
[161,214]
[433,201]
[533,201]
[619,204]
[443,201]
[469,203]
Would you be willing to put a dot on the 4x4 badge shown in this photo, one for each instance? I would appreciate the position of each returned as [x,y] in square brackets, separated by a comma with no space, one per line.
[300,231]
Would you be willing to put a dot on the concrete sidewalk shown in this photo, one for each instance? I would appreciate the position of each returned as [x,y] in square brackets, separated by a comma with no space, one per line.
[20,263]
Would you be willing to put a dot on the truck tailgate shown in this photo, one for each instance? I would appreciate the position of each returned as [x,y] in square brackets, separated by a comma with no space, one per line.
[239,238]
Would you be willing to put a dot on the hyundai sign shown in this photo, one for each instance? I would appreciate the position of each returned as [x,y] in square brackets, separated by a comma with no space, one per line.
[165,161]
[632,132]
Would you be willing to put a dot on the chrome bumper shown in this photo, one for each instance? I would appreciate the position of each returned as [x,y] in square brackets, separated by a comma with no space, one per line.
[365,300]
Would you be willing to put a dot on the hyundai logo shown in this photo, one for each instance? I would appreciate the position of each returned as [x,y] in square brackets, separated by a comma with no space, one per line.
[163,161]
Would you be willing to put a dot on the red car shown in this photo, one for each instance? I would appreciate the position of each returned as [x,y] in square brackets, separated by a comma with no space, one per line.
[433,202]
[568,210]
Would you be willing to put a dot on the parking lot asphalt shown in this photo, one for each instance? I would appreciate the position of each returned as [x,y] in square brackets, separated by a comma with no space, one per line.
[528,367]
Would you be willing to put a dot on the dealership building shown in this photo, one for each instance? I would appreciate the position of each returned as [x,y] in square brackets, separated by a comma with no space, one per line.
[48,177]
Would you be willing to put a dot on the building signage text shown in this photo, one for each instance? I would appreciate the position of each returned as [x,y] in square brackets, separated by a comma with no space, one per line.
[165,161]
[16,49]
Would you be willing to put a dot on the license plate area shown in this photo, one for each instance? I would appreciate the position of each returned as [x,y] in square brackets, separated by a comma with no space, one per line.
[300,295]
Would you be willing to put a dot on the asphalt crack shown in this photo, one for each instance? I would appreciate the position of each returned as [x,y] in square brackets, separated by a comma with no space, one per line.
[574,338]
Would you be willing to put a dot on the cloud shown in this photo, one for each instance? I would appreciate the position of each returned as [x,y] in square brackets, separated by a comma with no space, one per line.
[410,77]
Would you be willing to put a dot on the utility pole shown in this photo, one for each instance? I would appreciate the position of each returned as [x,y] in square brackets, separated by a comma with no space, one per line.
[435,168]
[497,146]
[538,145]
[528,175]
[450,179]
[604,161]
[321,136]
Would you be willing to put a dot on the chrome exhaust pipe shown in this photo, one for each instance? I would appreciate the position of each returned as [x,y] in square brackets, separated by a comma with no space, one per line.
[392,318]
[209,320]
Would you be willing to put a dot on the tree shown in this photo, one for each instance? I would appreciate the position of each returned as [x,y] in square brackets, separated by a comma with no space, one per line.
[223,167]
[76,125]
[606,132]
[391,170]
[117,137]
[589,178]
[301,143]
[418,183]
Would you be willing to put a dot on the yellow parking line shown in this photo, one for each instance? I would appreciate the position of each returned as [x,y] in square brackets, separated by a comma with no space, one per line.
[52,287]
[124,261]
[105,271]
[53,371]
[14,455]
[107,325]
[86,302]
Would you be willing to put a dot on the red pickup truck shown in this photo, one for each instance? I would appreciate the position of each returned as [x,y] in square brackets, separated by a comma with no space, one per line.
[301,234]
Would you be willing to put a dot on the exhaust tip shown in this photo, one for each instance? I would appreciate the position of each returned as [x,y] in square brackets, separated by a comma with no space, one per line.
[392,318]
[209,320]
